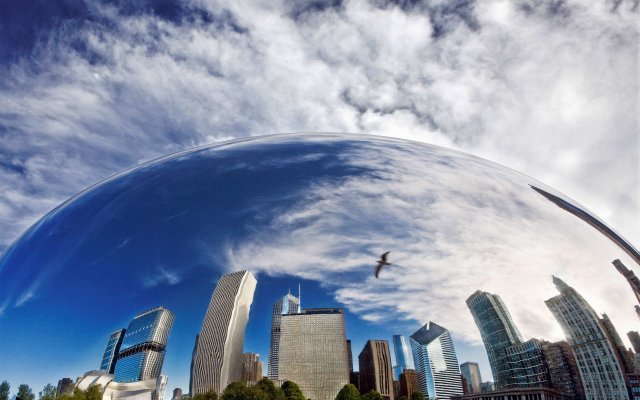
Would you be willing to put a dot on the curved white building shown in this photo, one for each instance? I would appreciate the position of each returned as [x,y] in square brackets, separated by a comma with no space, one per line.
[217,359]
[142,390]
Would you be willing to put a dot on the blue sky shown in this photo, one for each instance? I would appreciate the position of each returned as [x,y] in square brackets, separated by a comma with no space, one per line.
[90,88]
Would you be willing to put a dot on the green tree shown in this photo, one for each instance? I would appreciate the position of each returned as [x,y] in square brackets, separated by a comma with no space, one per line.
[47,393]
[65,396]
[77,394]
[292,391]
[267,386]
[372,395]
[403,397]
[93,392]
[417,396]
[348,392]
[25,392]
[235,391]
[4,390]
[210,395]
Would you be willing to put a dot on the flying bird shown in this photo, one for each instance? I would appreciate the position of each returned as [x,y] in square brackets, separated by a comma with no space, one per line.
[382,262]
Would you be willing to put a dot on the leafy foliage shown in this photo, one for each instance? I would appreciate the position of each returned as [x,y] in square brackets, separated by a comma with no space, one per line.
[4,390]
[25,392]
[266,386]
[235,391]
[210,395]
[47,393]
[372,395]
[292,391]
[417,396]
[348,392]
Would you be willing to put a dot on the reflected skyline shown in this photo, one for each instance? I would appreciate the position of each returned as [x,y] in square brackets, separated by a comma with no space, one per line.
[317,211]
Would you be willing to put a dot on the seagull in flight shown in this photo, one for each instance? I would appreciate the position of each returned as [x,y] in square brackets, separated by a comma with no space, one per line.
[382,262]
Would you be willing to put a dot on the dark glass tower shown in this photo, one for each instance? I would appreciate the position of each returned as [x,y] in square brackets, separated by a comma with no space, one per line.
[143,346]
[111,352]
[498,332]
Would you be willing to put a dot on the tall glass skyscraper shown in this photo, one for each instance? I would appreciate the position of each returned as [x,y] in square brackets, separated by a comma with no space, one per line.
[600,371]
[111,352]
[403,360]
[143,346]
[471,372]
[498,332]
[217,359]
[436,362]
[286,305]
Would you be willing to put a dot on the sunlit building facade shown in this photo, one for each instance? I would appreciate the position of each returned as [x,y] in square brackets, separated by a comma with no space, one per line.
[408,383]
[498,332]
[436,362]
[402,353]
[375,369]
[471,371]
[600,371]
[251,367]
[217,359]
[143,346]
[286,305]
[313,352]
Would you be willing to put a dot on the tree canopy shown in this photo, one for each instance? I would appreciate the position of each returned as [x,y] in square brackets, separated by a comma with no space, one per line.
[372,395]
[4,390]
[348,392]
[48,393]
[25,392]
[292,391]
[417,396]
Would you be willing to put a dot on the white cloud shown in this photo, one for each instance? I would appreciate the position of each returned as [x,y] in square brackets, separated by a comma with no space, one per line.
[159,276]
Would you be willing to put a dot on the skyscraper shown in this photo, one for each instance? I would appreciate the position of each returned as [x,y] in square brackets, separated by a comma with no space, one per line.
[65,385]
[375,368]
[633,280]
[601,373]
[527,365]
[471,372]
[313,352]
[408,383]
[350,355]
[251,367]
[177,394]
[286,305]
[111,352]
[563,370]
[625,356]
[217,359]
[634,338]
[143,346]
[497,331]
[401,350]
[436,363]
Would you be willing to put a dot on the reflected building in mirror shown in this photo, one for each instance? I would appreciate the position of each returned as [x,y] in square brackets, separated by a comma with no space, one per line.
[111,352]
[217,357]
[436,362]
[600,371]
[471,372]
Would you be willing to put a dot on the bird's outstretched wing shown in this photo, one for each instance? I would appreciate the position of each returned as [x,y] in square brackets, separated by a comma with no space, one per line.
[384,256]
[378,268]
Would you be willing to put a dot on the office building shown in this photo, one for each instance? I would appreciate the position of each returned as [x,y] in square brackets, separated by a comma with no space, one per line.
[375,369]
[251,367]
[626,357]
[515,394]
[601,374]
[177,394]
[563,370]
[498,332]
[217,359]
[286,305]
[65,386]
[408,383]
[350,354]
[471,372]
[633,280]
[313,352]
[111,352]
[634,338]
[143,346]
[527,365]
[402,353]
[436,363]
[487,387]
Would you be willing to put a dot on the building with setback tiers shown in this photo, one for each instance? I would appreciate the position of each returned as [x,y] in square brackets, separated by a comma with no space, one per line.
[217,358]
[498,332]
[251,367]
[375,369]
[313,352]
[143,346]
[601,374]
[286,305]
[436,363]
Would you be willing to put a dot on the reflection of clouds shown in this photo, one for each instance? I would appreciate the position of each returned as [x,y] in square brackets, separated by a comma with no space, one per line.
[453,224]
[160,276]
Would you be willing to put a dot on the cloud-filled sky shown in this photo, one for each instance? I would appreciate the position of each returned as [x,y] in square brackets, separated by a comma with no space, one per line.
[547,87]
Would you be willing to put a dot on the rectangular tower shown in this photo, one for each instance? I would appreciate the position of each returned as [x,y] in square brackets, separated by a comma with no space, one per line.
[471,372]
[251,367]
[286,305]
[313,352]
[217,359]
[403,360]
[375,369]
[111,352]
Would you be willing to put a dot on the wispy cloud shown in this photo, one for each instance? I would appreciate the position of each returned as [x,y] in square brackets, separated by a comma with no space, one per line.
[160,276]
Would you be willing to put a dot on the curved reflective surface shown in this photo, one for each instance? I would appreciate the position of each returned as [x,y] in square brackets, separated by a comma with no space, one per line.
[313,212]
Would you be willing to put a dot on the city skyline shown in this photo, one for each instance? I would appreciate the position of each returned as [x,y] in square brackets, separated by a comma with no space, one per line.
[308,219]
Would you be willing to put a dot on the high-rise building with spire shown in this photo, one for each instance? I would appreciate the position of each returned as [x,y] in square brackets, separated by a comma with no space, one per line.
[217,359]
[143,346]
[436,362]
[401,351]
[601,373]
[375,369]
[286,305]
[498,333]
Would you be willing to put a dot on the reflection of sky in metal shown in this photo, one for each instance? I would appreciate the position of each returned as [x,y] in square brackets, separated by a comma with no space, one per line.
[317,210]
